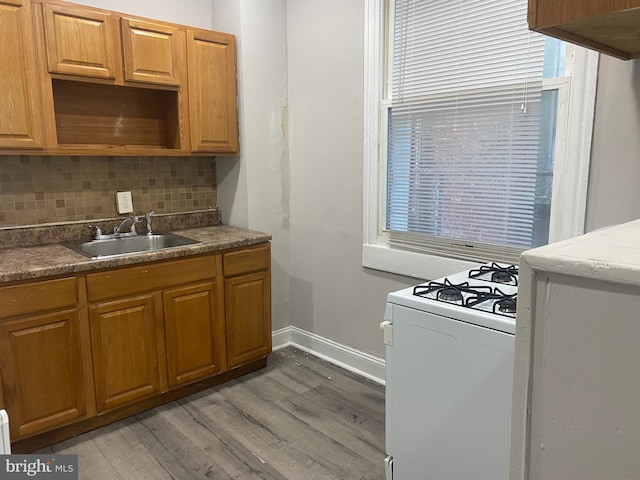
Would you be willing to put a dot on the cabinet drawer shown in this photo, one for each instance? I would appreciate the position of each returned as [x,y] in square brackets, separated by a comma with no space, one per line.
[38,297]
[249,260]
[144,278]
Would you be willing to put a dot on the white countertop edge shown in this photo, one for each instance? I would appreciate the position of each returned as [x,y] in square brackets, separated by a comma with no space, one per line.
[611,254]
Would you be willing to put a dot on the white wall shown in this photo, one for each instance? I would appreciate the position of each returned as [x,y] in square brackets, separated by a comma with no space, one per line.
[309,196]
[331,294]
[253,190]
[196,13]
[614,180]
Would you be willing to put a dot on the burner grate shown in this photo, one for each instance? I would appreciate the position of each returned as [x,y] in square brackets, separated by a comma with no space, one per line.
[499,302]
[448,292]
[507,275]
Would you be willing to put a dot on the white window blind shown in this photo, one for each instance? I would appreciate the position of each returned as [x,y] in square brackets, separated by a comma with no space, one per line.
[464,129]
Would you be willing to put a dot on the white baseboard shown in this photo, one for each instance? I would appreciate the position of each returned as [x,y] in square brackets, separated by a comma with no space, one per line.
[356,361]
[281,338]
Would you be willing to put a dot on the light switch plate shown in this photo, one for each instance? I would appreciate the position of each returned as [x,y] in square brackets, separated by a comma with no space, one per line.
[125,204]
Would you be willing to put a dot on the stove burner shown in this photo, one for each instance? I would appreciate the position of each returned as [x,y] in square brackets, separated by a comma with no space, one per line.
[449,294]
[494,301]
[506,305]
[496,273]
[501,277]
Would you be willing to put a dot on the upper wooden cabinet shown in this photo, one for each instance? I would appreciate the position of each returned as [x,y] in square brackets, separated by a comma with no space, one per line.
[80,80]
[212,92]
[80,41]
[152,52]
[20,119]
[609,26]
[86,42]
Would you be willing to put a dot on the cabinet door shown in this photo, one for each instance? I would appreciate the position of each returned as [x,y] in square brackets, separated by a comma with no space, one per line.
[609,26]
[549,13]
[152,52]
[213,111]
[42,372]
[80,41]
[20,119]
[194,332]
[125,351]
[248,316]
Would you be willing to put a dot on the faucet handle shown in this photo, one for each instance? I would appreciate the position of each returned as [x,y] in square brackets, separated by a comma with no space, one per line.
[147,218]
[98,232]
[134,220]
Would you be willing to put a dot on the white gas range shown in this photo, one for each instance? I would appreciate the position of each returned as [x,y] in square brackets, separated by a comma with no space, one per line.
[449,368]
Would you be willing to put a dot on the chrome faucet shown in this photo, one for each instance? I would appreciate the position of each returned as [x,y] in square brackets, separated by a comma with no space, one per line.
[134,220]
[147,219]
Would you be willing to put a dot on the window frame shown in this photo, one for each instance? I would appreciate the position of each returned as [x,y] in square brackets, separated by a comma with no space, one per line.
[576,103]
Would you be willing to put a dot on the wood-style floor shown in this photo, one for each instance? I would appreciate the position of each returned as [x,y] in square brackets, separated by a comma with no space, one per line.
[298,418]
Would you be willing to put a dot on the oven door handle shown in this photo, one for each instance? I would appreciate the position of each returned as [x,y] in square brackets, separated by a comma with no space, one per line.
[387,329]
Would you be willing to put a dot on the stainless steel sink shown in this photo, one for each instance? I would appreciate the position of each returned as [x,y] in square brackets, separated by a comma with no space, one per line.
[129,244]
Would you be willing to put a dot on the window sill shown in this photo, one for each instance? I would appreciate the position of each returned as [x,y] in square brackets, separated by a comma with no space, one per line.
[411,264]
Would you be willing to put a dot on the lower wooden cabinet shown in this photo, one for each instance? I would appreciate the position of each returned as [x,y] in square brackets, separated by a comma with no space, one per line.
[42,372]
[125,351]
[194,332]
[247,288]
[77,350]
[248,313]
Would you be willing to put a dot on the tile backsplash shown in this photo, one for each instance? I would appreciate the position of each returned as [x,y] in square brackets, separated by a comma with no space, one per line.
[46,189]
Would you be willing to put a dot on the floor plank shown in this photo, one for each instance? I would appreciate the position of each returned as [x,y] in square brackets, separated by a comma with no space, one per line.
[300,418]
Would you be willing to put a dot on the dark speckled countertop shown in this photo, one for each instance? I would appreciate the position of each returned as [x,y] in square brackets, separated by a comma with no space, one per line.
[53,259]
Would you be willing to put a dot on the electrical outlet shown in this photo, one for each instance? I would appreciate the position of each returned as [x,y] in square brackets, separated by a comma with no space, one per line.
[124,202]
